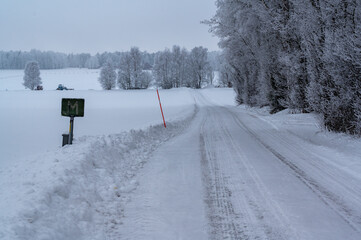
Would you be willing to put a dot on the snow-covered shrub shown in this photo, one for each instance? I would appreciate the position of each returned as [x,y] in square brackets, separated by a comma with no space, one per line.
[107,76]
[32,75]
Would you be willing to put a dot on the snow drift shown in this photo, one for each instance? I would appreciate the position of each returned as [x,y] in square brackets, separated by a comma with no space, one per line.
[84,188]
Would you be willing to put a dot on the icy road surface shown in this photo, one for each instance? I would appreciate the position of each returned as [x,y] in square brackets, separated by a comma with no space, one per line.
[232,175]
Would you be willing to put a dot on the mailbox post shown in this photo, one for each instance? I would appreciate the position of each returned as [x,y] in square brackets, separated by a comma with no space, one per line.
[71,130]
[71,107]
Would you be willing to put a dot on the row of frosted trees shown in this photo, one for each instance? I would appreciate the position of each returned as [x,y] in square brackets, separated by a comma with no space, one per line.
[131,73]
[180,68]
[47,59]
[304,55]
[171,69]
[55,60]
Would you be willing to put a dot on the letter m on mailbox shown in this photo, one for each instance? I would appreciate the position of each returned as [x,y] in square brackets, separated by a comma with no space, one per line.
[72,107]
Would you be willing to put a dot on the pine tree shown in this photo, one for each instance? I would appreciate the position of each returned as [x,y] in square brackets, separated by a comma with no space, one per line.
[32,75]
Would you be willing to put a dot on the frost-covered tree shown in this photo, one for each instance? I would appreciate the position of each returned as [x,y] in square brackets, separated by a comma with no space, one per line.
[198,66]
[125,73]
[32,75]
[178,68]
[224,73]
[55,60]
[184,67]
[298,54]
[131,74]
[92,63]
[148,60]
[145,79]
[171,68]
[136,67]
[210,74]
[107,76]
[162,69]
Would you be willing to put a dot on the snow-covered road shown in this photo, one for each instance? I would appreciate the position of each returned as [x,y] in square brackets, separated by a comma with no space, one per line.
[232,175]
[216,172]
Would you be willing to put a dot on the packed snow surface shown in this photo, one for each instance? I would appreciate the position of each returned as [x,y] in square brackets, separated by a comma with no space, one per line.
[218,171]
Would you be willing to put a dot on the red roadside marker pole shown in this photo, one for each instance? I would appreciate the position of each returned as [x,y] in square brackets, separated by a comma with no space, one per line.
[160,104]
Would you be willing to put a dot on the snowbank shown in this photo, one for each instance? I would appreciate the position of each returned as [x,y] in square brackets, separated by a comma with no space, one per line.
[77,192]
[49,192]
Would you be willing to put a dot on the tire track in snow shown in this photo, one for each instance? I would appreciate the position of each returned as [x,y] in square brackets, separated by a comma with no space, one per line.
[336,177]
[327,197]
[259,198]
[221,214]
[236,210]
[239,206]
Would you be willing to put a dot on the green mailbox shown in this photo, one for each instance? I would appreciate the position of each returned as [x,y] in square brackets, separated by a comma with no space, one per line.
[72,107]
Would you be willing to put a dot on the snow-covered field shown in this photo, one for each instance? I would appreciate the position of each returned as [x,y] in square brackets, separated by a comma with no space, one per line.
[31,129]
[31,120]
[79,79]
[217,172]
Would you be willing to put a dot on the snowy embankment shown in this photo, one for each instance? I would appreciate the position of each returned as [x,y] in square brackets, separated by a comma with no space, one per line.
[78,192]
[49,192]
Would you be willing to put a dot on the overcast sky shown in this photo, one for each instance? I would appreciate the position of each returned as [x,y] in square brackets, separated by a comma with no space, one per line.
[104,25]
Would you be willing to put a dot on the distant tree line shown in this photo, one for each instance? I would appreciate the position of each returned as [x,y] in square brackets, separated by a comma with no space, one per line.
[304,55]
[55,60]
